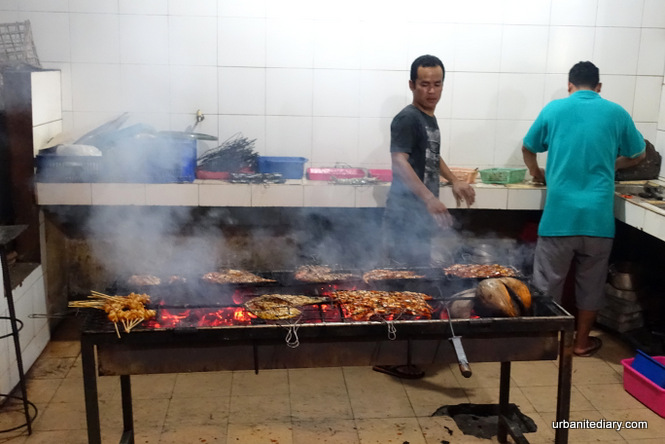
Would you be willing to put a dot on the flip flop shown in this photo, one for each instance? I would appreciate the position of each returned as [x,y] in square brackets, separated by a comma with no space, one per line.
[596,343]
[400,371]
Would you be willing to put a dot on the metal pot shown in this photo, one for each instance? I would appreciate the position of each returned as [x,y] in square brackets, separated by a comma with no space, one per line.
[625,276]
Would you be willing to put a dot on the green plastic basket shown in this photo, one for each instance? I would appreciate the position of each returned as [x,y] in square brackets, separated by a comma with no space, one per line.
[503,175]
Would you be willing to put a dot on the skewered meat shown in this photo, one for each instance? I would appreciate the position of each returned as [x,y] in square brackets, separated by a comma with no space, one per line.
[480,271]
[378,275]
[362,305]
[504,296]
[175,279]
[233,277]
[320,273]
[144,280]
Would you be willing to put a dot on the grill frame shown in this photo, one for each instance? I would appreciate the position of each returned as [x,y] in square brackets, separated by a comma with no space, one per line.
[263,346]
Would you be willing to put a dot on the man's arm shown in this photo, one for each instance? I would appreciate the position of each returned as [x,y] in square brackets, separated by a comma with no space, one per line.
[403,170]
[627,162]
[461,190]
[531,162]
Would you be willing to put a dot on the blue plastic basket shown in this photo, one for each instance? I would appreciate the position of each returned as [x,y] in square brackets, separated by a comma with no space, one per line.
[288,167]
[649,368]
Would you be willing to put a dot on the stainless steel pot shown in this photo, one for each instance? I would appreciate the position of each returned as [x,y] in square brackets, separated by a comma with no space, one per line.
[625,276]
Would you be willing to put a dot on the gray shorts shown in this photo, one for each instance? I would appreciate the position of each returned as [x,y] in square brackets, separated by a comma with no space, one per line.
[553,258]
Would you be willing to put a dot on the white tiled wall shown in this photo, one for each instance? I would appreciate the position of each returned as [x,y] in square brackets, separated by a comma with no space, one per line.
[322,79]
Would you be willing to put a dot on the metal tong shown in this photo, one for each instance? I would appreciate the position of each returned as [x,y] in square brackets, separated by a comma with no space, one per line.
[464,367]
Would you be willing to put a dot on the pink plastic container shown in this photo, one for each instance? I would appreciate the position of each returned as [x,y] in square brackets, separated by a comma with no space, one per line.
[339,173]
[382,175]
[642,388]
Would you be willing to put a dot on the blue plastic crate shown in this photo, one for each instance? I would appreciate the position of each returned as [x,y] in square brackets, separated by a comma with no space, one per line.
[288,167]
[649,368]
[68,169]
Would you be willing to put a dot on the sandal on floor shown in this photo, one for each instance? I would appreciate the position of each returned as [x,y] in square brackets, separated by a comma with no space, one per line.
[400,371]
[596,343]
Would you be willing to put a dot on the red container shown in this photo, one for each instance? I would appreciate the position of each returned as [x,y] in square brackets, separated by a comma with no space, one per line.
[642,388]
[382,175]
[338,173]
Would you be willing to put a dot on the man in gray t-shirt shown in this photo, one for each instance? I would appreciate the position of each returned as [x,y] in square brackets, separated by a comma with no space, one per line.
[413,210]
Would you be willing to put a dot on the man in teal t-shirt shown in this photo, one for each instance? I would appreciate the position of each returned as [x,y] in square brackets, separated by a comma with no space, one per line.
[586,138]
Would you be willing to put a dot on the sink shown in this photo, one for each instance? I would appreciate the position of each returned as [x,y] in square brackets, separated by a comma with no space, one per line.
[631,189]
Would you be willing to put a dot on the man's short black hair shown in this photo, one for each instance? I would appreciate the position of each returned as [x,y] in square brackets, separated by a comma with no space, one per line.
[426,61]
[584,74]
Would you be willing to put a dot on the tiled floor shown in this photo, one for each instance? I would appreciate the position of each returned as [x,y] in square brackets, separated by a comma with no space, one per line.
[342,405]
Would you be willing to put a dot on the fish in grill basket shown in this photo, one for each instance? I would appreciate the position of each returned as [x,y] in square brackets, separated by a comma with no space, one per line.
[381,274]
[231,276]
[363,305]
[320,273]
[480,271]
[280,306]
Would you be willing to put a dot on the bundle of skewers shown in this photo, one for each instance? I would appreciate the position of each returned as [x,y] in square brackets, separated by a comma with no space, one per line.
[128,310]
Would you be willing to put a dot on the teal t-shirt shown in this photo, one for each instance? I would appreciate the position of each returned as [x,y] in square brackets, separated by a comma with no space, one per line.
[583,134]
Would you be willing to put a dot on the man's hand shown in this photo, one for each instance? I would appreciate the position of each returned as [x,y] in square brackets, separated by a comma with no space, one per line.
[439,212]
[538,175]
[463,192]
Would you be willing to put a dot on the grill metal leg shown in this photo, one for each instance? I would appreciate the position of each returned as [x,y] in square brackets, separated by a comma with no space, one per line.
[565,382]
[90,391]
[127,412]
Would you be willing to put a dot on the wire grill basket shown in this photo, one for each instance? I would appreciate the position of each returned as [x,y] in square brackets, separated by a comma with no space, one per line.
[16,45]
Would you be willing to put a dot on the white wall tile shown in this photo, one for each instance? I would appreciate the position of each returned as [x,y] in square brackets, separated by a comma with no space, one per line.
[118,194]
[95,38]
[648,130]
[294,9]
[384,46]
[472,142]
[661,117]
[509,136]
[382,93]
[527,12]
[39,5]
[193,40]
[444,130]
[439,40]
[289,136]
[336,44]
[654,14]
[145,88]
[96,87]
[336,92]
[144,39]
[241,8]
[371,196]
[289,43]
[159,7]
[475,96]
[63,193]
[374,142]
[326,196]
[647,104]
[194,87]
[478,48]
[65,82]
[616,50]
[289,91]
[556,86]
[477,11]
[278,195]
[520,199]
[491,198]
[193,7]
[520,95]
[652,52]
[619,89]
[524,49]
[9,16]
[242,90]
[620,13]
[574,12]
[335,139]
[50,33]
[98,6]
[213,194]
[43,135]
[242,42]
[172,194]
[46,99]
[569,45]
[252,127]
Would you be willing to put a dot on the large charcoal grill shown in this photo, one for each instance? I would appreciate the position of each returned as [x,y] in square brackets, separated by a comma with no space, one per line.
[326,338]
